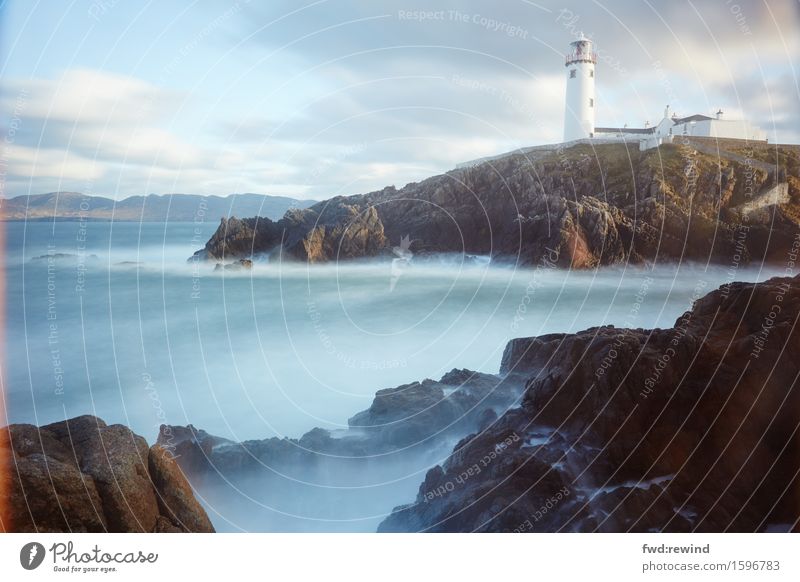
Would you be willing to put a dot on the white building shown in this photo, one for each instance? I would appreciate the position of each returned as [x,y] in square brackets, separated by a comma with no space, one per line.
[579,113]
[671,126]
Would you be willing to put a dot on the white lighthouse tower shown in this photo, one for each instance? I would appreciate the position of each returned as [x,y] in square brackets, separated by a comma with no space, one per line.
[579,114]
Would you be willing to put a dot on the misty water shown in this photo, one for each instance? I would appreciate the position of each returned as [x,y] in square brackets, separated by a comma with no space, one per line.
[111,320]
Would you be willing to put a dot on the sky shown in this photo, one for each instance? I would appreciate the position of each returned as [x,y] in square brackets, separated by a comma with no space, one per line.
[313,99]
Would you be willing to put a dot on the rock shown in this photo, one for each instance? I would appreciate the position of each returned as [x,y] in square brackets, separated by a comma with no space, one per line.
[485,420]
[192,446]
[236,238]
[176,501]
[330,230]
[66,257]
[83,475]
[409,417]
[415,413]
[129,501]
[334,230]
[163,525]
[237,265]
[685,429]
[47,495]
[582,206]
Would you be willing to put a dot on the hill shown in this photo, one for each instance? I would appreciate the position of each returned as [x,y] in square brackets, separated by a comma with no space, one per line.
[580,206]
[151,208]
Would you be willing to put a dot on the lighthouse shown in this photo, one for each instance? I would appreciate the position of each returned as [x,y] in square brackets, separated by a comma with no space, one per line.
[579,113]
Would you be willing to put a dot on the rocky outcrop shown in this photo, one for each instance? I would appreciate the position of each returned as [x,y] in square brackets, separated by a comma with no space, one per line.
[238,265]
[82,475]
[236,238]
[693,428]
[411,417]
[335,229]
[585,205]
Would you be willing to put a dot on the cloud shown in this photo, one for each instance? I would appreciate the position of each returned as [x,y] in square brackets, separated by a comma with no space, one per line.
[100,116]
[711,52]
[50,163]
[105,132]
[92,97]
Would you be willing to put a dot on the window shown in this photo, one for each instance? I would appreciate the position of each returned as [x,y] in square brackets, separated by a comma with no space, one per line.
[591,73]
[591,102]
[572,74]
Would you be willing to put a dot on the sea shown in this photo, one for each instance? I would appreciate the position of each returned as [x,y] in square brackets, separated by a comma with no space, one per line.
[111,319]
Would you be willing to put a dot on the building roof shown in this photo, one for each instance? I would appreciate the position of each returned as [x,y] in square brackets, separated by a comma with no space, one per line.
[691,118]
[643,130]
[650,130]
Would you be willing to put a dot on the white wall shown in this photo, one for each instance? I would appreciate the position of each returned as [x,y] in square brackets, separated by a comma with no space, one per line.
[653,142]
[579,114]
[721,129]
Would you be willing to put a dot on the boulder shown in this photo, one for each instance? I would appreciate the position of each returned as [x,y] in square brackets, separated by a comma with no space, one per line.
[176,501]
[83,475]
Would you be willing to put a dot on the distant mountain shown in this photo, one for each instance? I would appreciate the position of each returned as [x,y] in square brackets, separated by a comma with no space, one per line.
[152,208]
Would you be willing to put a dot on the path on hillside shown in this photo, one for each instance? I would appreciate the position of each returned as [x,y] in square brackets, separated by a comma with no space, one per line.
[728,155]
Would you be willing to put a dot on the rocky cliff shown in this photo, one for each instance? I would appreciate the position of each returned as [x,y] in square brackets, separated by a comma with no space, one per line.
[588,205]
[693,428]
[82,475]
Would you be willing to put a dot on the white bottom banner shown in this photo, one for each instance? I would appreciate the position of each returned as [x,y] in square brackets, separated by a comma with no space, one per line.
[356,557]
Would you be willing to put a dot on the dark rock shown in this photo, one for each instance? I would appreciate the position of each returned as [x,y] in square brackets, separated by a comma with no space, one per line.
[486,418]
[237,265]
[333,229]
[413,416]
[236,238]
[64,257]
[685,429]
[192,446]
